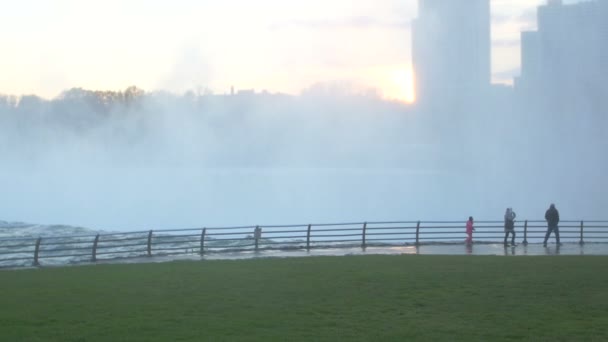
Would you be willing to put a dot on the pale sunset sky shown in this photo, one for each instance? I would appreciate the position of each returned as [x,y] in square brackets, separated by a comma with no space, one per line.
[280,46]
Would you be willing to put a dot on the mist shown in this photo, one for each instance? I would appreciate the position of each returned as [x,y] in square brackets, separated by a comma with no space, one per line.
[337,152]
[163,160]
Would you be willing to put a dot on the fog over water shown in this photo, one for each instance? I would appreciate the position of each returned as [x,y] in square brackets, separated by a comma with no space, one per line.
[173,161]
[336,153]
[165,161]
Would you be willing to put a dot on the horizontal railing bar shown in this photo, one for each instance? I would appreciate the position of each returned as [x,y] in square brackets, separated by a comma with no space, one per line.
[44,249]
[229,250]
[453,222]
[64,256]
[390,228]
[560,233]
[100,246]
[487,232]
[437,233]
[157,243]
[16,252]
[334,235]
[102,234]
[175,248]
[215,242]
[230,228]
[284,231]
[390,233]
[392,222]
[286,237]
[336,230]
[158,237]
[55,237]
[171,253]
[18,246]
[18,239]
[226,234]
[126,239]
[544,225]
[229,246]
[337,224]
[44,242]
[285,226]
[16,259]
[124,233]
[196,245]
[228,239]
[177,230]
[441,227]
[285,243]
[143,251]
[320,242]
[477,236]
[390,239]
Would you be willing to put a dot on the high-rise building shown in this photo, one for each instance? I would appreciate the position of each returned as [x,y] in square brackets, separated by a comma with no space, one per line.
[565,61]
[451,50]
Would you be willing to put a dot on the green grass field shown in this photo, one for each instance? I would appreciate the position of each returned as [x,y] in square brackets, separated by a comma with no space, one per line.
[358,298]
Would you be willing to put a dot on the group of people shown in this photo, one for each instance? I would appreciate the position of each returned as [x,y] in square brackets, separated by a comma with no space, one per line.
[551,216]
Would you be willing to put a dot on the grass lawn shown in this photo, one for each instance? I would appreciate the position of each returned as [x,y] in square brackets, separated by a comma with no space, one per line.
[355,298]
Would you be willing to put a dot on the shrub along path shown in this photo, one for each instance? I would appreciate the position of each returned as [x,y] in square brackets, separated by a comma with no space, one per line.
[356,298]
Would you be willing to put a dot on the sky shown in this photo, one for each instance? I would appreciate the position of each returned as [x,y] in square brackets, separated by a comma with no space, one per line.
[48,46]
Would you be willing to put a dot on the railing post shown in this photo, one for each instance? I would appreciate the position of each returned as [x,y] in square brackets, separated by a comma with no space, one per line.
[150,243]
[308,238]
[364,233]
[94,254]
[203,233]
[257,233]
[37,252]
[525,242]
[582,242]
[418,233]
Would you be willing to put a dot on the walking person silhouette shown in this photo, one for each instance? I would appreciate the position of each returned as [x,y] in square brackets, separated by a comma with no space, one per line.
[552,217]
[510,226]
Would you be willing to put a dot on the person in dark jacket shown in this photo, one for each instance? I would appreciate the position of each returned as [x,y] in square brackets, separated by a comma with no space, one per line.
[552,217]
[510,226]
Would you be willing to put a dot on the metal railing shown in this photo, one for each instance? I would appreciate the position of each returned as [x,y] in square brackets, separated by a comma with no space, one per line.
[19,252]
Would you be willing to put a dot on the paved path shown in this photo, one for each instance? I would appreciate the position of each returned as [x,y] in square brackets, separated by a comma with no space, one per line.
[445,249]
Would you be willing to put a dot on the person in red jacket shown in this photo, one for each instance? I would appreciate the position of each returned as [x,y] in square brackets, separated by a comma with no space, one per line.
[470,230]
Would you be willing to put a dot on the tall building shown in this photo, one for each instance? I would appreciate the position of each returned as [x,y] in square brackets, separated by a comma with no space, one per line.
[565,61]
[451,50]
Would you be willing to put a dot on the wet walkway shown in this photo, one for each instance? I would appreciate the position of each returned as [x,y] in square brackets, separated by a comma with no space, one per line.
[441,249]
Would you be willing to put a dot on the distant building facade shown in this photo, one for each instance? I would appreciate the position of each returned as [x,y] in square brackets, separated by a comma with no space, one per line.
[565,62]
[451,50]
